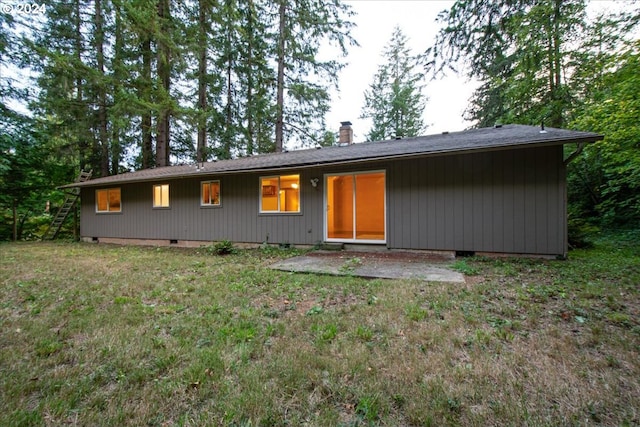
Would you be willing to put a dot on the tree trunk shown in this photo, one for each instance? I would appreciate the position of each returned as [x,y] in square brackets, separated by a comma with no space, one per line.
[249,108]
[118,78]
[102,96]
[228,128]
[556,72]
[164,77]
[145,95]
[15,220]
[280,78]
[83,143]
[202,82]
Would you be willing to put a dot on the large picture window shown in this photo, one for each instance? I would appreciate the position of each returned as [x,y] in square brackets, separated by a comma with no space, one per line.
[108,200]
[280,193]
[210,193]
[161,196]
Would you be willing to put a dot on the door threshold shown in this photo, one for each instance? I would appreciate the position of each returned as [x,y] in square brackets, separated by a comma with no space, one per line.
[366,247]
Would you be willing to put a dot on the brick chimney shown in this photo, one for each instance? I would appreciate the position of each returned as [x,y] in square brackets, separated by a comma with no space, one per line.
[346,133]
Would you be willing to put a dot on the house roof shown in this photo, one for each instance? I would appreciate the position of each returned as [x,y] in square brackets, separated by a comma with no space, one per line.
[474,140]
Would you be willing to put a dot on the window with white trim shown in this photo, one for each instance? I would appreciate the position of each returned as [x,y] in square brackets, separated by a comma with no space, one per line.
[210,193]
[108,200]
[280,194]
[161,196]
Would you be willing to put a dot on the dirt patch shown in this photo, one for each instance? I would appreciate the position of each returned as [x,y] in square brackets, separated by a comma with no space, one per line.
[474,280]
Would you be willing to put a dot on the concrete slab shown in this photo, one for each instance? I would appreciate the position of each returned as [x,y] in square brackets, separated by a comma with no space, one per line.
[397,266]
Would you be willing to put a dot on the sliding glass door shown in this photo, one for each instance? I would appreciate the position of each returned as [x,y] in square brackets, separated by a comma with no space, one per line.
[355,207]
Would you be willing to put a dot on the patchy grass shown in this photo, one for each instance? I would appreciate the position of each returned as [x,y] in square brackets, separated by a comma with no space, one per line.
[108,335]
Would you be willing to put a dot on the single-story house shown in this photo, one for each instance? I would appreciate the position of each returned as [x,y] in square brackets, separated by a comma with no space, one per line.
[492,190]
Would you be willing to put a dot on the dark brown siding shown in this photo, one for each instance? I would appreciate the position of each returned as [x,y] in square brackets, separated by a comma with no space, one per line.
[503,201]
[510,201]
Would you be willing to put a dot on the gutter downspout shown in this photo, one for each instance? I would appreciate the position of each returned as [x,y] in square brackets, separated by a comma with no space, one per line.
[566,162]
[574,154]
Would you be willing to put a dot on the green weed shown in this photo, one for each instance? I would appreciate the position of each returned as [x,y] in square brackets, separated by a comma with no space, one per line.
[416,312]
[350,265]
[224,247]
[364,333]
[462,266]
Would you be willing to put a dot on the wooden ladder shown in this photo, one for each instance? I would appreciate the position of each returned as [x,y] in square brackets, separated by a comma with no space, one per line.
[70,201]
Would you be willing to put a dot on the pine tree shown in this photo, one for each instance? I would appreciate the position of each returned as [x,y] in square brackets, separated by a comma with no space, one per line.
[142,76]
[520,51]
[302,83]
[255,78]
[58,52]
[394,100]
[101,88]
[204,11]
[164,57]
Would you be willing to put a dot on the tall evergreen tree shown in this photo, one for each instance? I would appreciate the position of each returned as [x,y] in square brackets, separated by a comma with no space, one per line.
[604,183]
[302,97]
[115,77]
[519,51]
[204,11]
[394,101]
[58,54]
[228,39]
[164,55]
[255,78]
[101,88]
[7,59]
[235,85]
[118,109]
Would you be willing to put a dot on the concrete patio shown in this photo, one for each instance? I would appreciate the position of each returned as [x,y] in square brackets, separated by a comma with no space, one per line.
[385,265]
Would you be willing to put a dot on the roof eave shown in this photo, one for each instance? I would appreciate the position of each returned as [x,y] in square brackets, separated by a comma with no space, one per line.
[500,147]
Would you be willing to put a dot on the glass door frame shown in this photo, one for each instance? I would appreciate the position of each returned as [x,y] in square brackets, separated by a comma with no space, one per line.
[354,219]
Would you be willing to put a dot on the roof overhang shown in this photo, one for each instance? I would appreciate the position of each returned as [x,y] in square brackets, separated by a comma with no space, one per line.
[471,141]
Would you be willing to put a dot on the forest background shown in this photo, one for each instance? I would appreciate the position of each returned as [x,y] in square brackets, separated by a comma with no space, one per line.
[115,86]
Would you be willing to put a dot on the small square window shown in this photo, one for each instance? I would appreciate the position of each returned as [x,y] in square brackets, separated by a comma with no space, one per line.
[161,196]
[108,200]
[210,193]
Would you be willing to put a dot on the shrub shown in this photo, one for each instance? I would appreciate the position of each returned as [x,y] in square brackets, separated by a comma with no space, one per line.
[224,247]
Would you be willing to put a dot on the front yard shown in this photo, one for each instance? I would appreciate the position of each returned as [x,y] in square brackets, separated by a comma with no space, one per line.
[108,335]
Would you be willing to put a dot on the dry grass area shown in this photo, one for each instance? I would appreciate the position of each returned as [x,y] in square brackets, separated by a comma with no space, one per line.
[108,335]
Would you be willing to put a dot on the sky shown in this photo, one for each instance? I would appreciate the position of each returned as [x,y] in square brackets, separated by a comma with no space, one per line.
[375,20]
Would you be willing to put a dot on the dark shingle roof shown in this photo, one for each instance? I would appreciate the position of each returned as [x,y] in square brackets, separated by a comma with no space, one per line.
[485,139]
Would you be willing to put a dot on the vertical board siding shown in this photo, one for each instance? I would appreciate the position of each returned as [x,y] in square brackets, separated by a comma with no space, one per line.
[456,196]
[483,200]
[238,218]
[417,215]
[508,201]
[440,215]
[468,212]
[511,201]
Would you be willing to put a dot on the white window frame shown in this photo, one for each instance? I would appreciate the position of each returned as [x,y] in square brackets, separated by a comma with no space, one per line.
[211,204]
[326,210]
[279,211]
[109,210]
[153,196]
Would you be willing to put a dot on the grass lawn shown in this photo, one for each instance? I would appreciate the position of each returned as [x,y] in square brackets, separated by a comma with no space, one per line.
[107,335]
